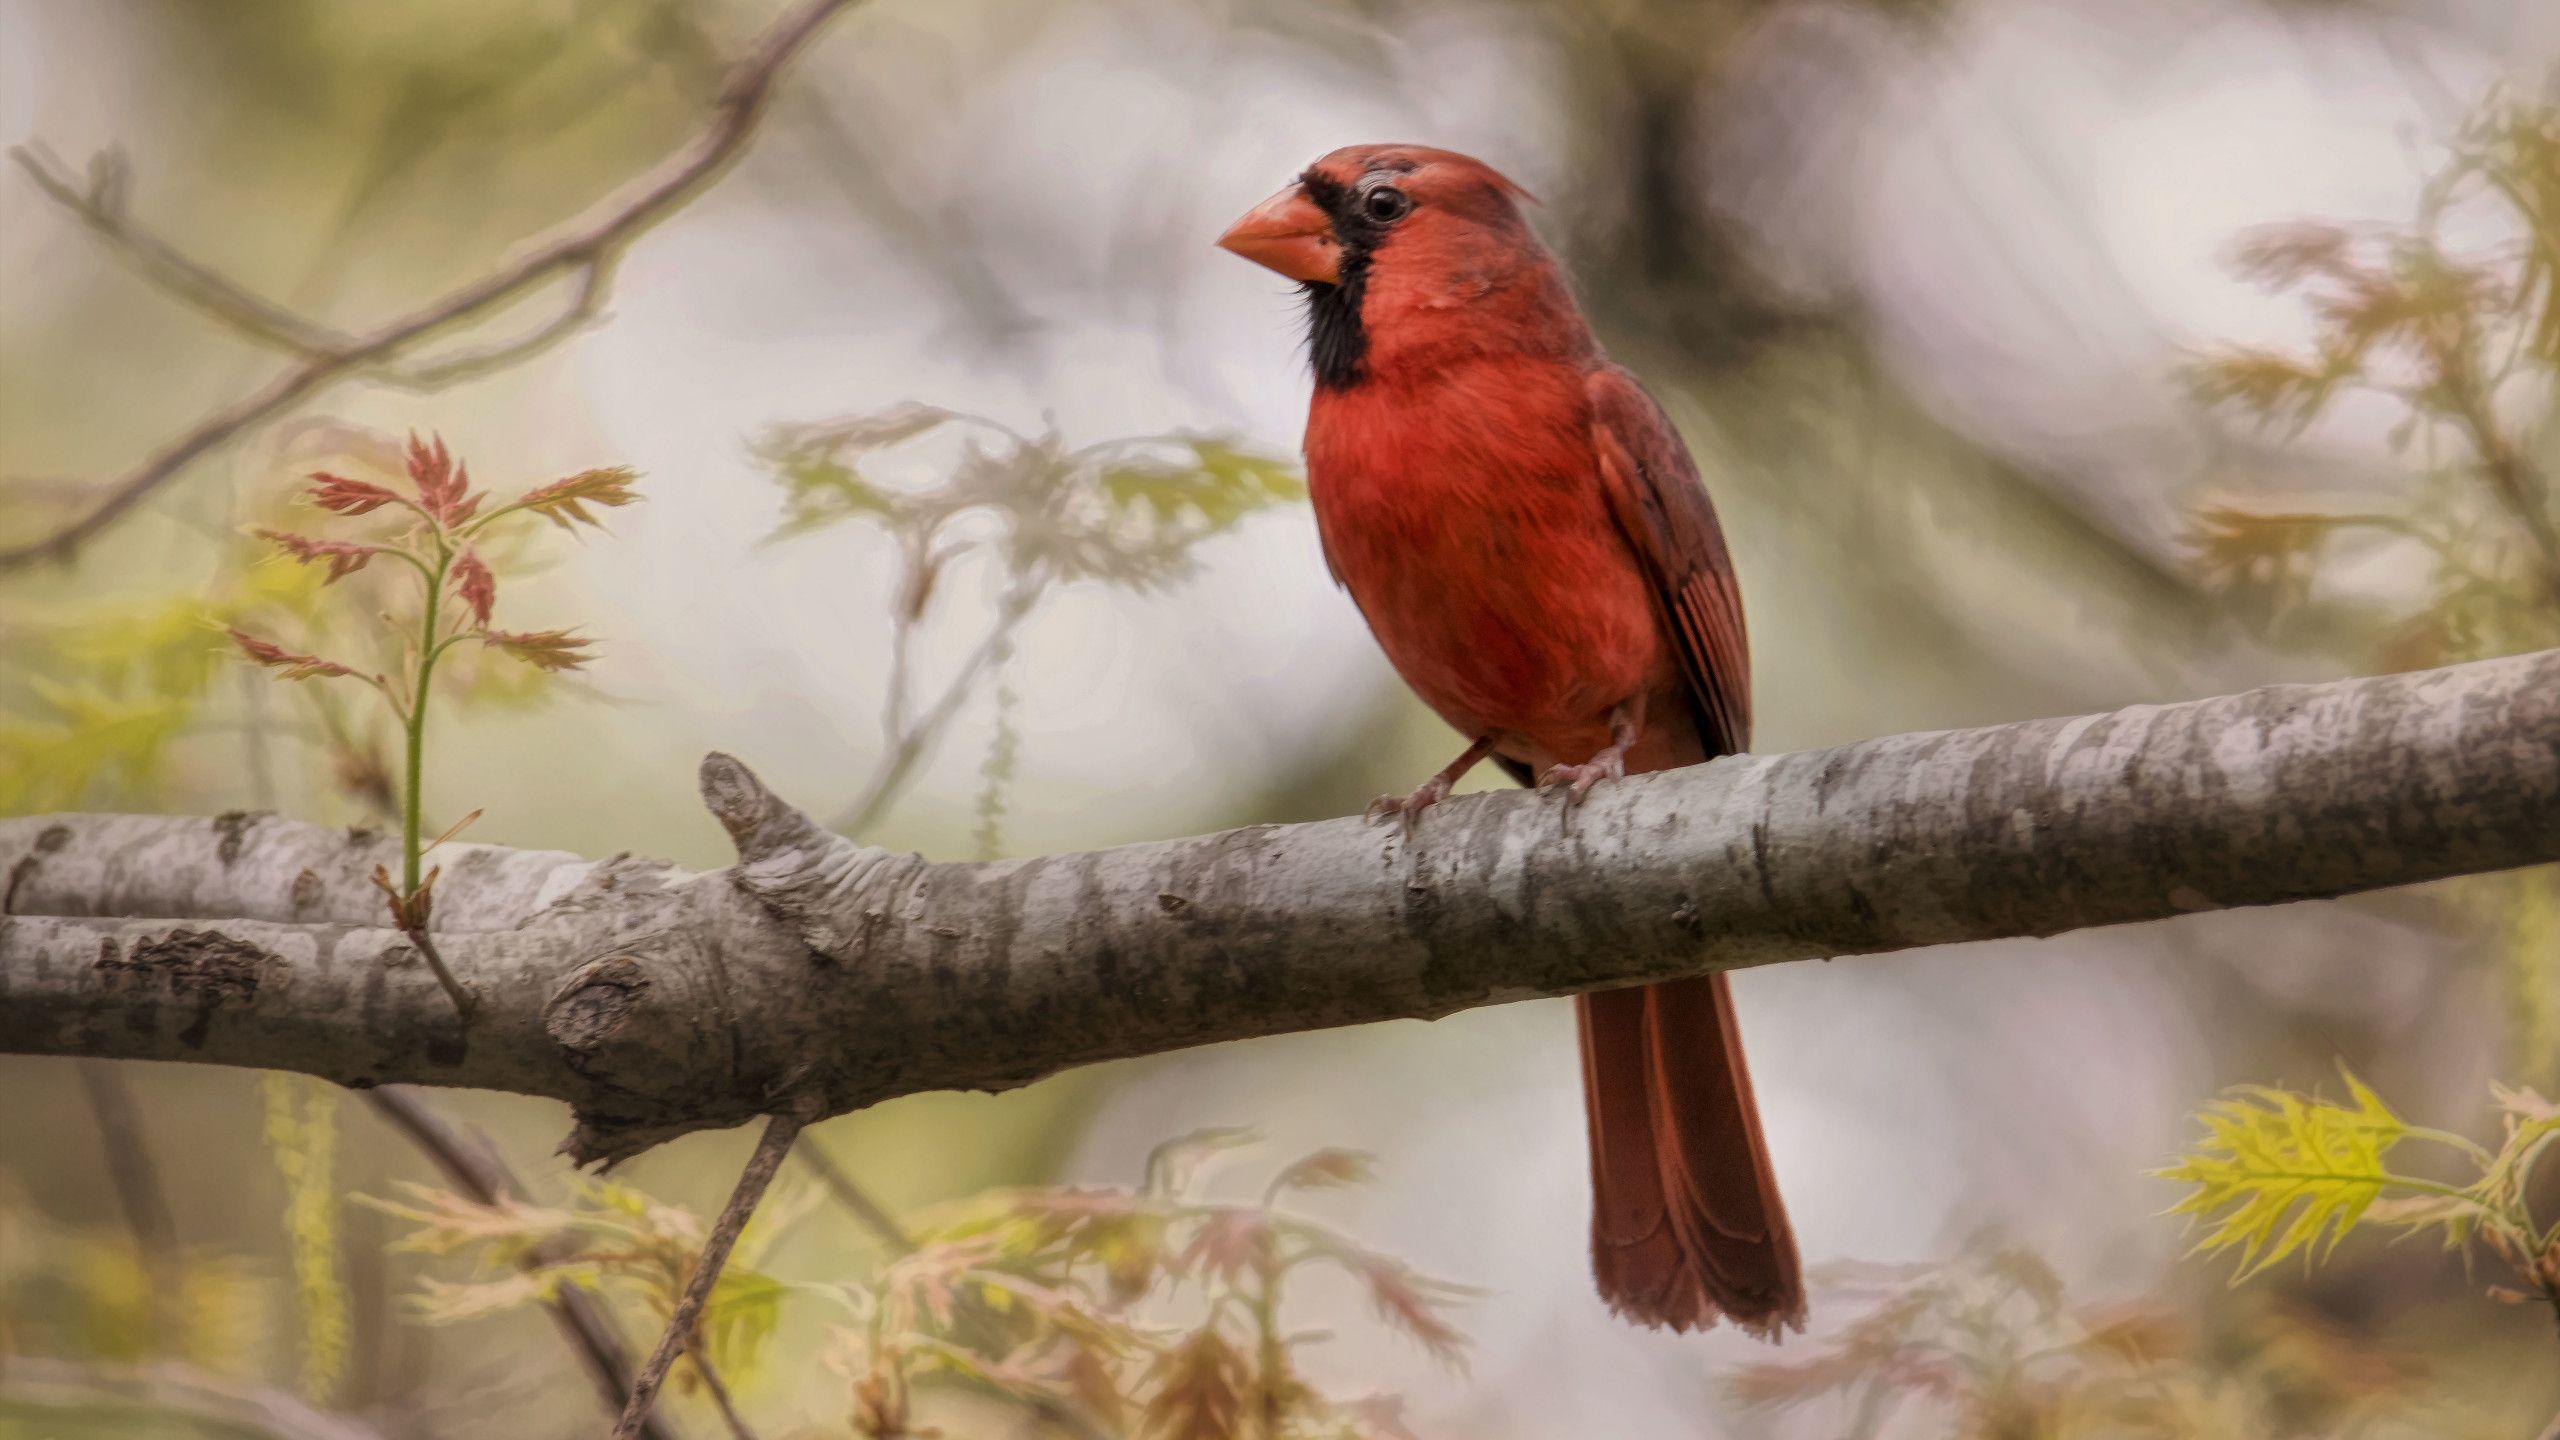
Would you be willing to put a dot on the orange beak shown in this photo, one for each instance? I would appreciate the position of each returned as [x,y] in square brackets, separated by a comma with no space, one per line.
[1290,234]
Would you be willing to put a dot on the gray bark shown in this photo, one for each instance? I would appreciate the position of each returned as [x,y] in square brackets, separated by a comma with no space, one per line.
[657,1001]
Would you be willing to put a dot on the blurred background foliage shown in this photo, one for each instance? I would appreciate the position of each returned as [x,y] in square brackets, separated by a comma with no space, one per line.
[2044,355]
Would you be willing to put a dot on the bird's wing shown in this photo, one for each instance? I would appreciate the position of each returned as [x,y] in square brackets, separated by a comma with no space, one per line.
[1669,523]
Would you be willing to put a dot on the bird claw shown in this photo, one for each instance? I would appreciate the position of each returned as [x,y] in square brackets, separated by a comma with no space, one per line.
[1407,809]
[1577,780]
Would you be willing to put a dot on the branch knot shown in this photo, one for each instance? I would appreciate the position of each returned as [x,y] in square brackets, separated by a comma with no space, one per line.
[830,890]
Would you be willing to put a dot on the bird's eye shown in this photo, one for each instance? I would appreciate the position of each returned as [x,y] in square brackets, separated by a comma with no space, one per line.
[1386,204]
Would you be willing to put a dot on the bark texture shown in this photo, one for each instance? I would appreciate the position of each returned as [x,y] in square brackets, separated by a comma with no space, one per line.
[819,972]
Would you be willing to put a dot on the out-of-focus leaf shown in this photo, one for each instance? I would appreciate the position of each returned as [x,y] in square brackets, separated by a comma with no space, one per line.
[546,650]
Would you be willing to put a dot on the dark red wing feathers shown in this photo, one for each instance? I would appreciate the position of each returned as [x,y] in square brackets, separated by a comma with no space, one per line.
[1671,526]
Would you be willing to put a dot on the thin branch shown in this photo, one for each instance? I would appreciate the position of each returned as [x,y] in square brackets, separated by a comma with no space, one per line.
[2519,488]
[473,1167]
[462,996]
[908,743]
[99,207]
[136,1180]
[585,308]
[719,1388]
[584,248]
[857,1201]
[779,1131]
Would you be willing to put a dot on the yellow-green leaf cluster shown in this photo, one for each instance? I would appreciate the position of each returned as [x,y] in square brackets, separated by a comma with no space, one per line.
[605,1237]
[2280,1173]
[1128,512]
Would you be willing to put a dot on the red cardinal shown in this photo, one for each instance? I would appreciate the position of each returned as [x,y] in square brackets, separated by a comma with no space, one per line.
[1529,541]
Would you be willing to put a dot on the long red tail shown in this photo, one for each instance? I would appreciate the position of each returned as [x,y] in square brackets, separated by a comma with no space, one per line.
[1686,1225]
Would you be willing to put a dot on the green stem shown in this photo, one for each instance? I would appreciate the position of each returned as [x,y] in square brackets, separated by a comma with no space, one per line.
[2463,1143]
[413,800]
[412,804]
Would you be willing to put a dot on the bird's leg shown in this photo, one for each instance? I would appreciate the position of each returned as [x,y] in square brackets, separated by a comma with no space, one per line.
[1408,808]
[1626,722]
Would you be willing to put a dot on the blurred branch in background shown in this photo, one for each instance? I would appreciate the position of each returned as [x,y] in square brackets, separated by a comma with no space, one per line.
[139,1194]
[1127,512]
[474,1169]
[2023,829]
[581,254]
[209,1403]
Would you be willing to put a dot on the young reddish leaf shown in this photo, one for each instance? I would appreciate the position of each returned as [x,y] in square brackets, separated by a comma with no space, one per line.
[1324,1170]
[444,488]
[549,650]
[340,495]
[1087,1377]
[2281,256]
[286,663]
[345,557]
[1198,1390]
[564,502]
[1412,1303]
[456,828]
[1229,1244]
[474,582]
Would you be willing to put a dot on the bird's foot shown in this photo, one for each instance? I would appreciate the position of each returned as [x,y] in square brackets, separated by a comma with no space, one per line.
[1407,809]
[1626,722]
[1576,780]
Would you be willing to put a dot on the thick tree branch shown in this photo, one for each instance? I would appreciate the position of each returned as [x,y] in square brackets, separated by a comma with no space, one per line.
[657,1002]
[580,253]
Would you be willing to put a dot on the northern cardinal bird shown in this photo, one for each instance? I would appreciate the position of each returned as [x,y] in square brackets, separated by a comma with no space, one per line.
[1529,541]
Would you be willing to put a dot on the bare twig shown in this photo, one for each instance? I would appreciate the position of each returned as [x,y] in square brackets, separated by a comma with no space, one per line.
[853,1197]
[99,206]
[910,737]
[779,1132]
[586,306]
[585,249]
[719,1388]
[473,1167]
[2513,480]
[464,999]
[137,1184]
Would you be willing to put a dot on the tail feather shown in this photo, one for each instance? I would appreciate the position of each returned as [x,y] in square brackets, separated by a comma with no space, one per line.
[1686,1224]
